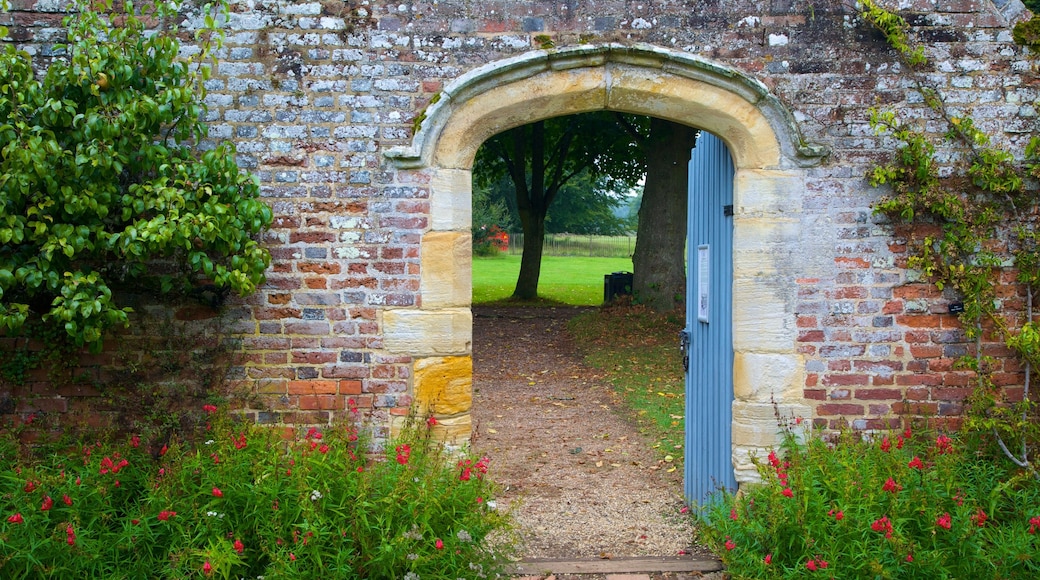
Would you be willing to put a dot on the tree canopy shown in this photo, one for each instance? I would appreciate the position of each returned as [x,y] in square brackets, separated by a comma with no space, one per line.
[99,187]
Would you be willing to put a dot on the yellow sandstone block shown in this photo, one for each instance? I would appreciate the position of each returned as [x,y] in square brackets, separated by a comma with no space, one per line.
[443,385]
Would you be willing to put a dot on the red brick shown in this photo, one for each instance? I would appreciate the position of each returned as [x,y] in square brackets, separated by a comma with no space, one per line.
[315,283]
[321,402]
[915,408]
[314,358]
[313,387]
[835,380]
[815,394]
[879,394]
[919,320]
[319,268]
[845,409]
[919,379]
[810,336]
[348,387]
[920,351]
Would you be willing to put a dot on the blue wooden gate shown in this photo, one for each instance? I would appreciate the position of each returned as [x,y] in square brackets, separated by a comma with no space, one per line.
[709,321]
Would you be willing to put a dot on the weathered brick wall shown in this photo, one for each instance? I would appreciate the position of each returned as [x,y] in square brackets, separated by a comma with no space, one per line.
[314,94]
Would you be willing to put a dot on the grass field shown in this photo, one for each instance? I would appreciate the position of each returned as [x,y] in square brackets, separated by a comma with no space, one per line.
[570,280]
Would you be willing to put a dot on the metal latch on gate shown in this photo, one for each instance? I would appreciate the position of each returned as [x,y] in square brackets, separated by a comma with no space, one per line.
[684,348]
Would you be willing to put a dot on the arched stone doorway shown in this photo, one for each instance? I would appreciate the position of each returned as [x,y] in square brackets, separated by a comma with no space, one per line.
[769,158]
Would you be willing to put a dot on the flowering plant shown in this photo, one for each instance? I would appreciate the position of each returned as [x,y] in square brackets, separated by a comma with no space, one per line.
[246,502]
[910,504]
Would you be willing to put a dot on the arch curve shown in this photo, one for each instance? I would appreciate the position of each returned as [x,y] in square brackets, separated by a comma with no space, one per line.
[640,79]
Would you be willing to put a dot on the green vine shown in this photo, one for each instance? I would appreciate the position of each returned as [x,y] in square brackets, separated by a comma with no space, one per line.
[971,232]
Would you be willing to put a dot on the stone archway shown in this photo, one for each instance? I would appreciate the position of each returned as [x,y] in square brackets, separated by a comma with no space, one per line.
[769,157]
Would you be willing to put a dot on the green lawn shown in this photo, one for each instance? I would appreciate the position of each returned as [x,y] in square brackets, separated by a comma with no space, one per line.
[570,280]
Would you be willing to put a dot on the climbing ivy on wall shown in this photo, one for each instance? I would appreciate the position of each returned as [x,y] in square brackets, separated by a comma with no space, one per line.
[970,231]
[100,187]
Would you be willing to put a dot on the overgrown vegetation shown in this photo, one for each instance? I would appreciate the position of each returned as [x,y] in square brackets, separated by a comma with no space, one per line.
[101,191]
[245,501]
[906,505]
[637,349]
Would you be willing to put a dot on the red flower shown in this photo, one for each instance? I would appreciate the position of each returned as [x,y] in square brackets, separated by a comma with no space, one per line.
[787,492]
[217,492]
[909,557]
[209,408]
[65,498]
[323,449]
[431,421]
[769,559]
[404,451]
[883,525]
[135,522]
[980,518]
[773,459]
[465,475]
[811,565]
[1034,524]
[207,569]
[239,546]
[899,442]
[29,486]
[292,557]
[915,463]
[165,515]
[891,485]
[48,503]
[135,441]
[730,544]
[16,518]
[163,450]
[944,521]
[439,544]
[838,514]
[70,536]
[733,514]
[239,443]
[886,444]
[943,444]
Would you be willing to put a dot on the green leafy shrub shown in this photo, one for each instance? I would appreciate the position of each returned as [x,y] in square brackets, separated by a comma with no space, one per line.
[99,188]
[248,503]
[910,505]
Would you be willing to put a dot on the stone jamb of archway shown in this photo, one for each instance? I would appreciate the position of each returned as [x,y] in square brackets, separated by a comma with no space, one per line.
[769,155]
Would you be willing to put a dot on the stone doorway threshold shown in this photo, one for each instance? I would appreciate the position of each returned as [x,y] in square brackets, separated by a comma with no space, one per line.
[618,568]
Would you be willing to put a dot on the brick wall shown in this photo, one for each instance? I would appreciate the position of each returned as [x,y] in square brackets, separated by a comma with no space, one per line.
[314,93]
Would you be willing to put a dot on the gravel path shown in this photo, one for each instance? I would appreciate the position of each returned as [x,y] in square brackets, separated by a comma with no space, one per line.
[580,480]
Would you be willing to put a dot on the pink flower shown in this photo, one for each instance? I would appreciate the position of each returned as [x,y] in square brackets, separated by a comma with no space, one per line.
[733,514]
[16,518]
[207,569]
[209,408]
[787,492]
[769,559]
[239,546]
[684,509]
[730,544]
[915,463]
[811,565]
[165,515]
[439,544]
[292,557]
[163,450]
[891,485]
[48,503]
[65,498]
[944,521]
[217,492]
[909,557]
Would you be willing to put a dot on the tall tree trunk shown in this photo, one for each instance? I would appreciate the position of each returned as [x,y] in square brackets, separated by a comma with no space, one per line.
[531,260]
[659,260]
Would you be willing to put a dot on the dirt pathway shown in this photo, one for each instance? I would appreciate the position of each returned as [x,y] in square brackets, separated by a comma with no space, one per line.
[582,481]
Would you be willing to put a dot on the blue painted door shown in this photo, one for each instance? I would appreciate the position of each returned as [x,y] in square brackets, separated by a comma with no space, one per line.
[709,321]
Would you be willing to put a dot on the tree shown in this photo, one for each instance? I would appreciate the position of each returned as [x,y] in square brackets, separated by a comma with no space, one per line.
[587,205]
[541,157]
[99,189]
[659,259]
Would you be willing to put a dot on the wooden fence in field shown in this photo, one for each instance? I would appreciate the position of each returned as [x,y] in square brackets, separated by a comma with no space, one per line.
[579,245]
